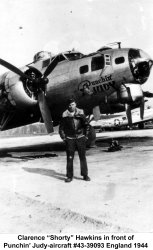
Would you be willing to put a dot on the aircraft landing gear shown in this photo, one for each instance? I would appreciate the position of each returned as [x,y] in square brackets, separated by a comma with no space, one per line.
[91,138]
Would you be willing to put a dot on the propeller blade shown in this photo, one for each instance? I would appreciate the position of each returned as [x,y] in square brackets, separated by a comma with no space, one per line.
[142,104]
[14,69]
[45,112]
[129,114]
[51,66]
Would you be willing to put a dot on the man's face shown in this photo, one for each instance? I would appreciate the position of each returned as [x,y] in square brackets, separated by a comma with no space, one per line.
[72,107]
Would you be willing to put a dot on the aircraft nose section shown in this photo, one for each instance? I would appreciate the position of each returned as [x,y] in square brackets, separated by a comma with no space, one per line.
[145,63]
[140,64]
[144,55]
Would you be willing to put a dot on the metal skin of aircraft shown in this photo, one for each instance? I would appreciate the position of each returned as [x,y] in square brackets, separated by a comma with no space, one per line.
[41,89]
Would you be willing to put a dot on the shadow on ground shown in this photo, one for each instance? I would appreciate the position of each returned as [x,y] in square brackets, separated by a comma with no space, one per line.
[48,172]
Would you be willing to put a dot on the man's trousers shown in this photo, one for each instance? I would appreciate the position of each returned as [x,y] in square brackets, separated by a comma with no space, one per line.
[72,145]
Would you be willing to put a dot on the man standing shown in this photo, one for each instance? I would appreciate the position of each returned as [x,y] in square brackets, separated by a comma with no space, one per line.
[74,130]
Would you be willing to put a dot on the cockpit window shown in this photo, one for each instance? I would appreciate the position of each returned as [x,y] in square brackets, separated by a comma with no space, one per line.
[119,60]
[73,56]
[97,63]
[60,58]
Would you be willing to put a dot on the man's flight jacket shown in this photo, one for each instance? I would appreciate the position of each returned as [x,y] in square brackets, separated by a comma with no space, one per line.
[73,127]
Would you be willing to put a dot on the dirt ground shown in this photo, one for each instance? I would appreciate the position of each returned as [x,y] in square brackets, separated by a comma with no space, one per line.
[35,199]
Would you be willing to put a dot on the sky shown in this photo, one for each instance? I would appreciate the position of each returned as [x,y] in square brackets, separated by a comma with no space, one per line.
[29,26]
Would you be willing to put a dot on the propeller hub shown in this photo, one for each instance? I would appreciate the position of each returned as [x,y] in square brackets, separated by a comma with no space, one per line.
[36,83]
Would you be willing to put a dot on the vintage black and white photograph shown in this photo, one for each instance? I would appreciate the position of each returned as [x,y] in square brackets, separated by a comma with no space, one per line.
[76,116]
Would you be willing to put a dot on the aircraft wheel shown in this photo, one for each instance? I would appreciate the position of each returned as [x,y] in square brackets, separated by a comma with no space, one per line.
[141,126]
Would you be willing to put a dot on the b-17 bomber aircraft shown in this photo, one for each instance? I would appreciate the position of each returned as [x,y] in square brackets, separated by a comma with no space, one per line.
[41,89]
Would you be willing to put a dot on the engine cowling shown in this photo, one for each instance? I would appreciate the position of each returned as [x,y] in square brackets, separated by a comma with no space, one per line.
[16,93]
[126,94]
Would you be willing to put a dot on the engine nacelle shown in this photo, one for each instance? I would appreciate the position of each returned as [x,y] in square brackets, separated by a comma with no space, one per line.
[16,93]
[126,94]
